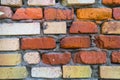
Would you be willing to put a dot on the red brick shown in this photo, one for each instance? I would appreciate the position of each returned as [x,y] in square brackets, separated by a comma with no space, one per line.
[38,43]
[58,14]
[90,57]
[111,2]
[56,58]
[6,12]
[116,13]
[75,42]
[94,14]
[116,57]
[28,13]
[108,42]
[83,27]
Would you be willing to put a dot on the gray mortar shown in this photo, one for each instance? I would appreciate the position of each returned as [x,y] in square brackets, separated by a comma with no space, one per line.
[95,68]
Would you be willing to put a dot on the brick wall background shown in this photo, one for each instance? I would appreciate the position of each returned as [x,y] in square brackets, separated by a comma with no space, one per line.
[60,39]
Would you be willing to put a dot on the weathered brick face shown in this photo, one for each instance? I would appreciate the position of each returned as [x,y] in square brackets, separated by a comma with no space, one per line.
[59,39]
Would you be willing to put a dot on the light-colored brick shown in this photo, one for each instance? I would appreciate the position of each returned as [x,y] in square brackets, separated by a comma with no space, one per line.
[41,2]
[47,72]
[55,28]
[110,72]
[10,59]
[19,28]
[77,2]
[13,72]
[112,27]
[17,3]
[76,72]
[32,57]
[9,44]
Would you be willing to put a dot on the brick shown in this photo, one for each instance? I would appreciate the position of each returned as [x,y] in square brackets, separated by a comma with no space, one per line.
[90,57]
[110,72]
[116,13]
[111,2]
[94,14]
[13,72]
[51,28]
[58,14]
[38,43]
[76,72]
[15,3]
[46,72]
[32,57]
[79,27]
[19,28]
[108,42]
[10,59]
[77,2]
[75,42]
[9,44]
[28,13]
[41,2]
[111,27]
[5,12]
[56,58]
[115,57]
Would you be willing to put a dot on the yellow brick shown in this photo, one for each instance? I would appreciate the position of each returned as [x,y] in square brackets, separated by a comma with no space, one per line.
[76,72]
[13,73]
[110,72]
[10,59]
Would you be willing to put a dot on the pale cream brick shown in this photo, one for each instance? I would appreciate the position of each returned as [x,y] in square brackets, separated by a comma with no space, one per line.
[13,72]
[41,2]
[32,57]
[10,59]
[9,44]
[46,72]
[77,2]
[76,72]
[19,28]
[11,2]
[110,72]
[55,28]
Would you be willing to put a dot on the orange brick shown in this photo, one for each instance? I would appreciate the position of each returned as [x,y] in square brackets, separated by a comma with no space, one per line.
[111,2]
[94,13]
[28,13]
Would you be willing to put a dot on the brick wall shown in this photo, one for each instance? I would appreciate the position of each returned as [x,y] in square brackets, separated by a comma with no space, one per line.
[60,40]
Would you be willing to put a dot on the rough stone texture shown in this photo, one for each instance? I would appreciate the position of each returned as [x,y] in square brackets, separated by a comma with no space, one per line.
[56,58]
[77,2]
[46,72]
[19,28]
[116,13]
[111,2]
[76,72]
[15,3]
[110,72]
[58,14]
[112,27]
[13,72]
[41,2]
[83,27]
[94,13]
[5,12]
[90,57]
[28,13]
[10,59]
[74,42]
[9,44]
[115,57]
[108,42]
[55,28]
[38,43]
[32,57]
